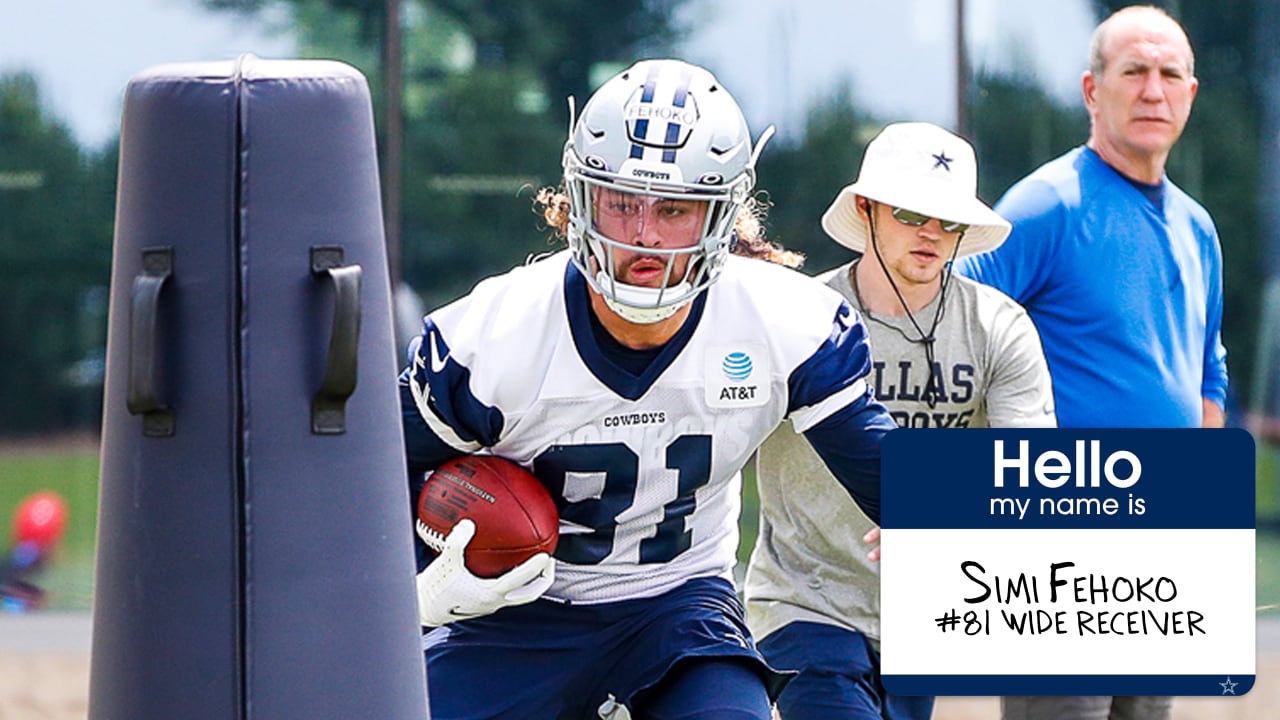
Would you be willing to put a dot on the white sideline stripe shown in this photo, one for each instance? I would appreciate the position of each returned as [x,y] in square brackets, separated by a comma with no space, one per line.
[46,632]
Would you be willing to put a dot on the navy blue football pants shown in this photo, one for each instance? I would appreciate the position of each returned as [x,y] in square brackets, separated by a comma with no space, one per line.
[683,655]
[839,676]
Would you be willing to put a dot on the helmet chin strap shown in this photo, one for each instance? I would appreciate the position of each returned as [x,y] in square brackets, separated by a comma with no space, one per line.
[639,304]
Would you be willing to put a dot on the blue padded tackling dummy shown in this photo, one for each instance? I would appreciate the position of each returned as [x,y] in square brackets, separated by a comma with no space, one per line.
[254,548]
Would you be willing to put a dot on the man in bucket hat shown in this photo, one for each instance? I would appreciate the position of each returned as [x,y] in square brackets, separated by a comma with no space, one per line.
[947,352]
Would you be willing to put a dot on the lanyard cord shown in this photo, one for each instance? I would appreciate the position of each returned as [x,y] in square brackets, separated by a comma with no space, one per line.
[932,390]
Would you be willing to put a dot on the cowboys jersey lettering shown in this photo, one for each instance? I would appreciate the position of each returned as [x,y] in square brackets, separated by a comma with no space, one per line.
[644,470]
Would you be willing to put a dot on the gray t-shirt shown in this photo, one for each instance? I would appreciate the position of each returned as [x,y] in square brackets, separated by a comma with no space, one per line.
[809,562]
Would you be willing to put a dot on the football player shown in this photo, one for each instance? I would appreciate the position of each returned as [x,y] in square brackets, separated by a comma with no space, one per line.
[948,352]
[634,374]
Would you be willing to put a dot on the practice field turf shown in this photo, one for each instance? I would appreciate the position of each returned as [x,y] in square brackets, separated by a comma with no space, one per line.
[70,467]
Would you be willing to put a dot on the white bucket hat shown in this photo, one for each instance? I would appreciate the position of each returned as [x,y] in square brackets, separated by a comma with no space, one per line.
[923,168]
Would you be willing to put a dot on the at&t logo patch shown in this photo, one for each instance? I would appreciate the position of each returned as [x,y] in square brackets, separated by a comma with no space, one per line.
[737,376]
[737,366]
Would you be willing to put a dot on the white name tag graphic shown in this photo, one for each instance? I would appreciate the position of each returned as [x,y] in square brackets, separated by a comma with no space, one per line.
[1068,562]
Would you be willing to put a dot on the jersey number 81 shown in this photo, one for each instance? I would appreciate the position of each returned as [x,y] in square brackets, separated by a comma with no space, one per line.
[688,455]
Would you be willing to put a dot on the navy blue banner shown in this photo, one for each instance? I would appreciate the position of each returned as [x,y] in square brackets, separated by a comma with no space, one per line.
[1070,478]
[1218,685]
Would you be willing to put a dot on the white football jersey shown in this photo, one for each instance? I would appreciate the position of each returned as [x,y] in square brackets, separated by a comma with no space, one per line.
[644,470]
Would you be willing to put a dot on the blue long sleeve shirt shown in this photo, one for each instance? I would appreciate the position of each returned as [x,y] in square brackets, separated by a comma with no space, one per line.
[1124,287]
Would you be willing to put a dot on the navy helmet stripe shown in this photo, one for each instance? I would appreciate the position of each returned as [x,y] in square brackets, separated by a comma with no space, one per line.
[641,130]
[679,99]
[673,135]
[682,90]
[650,84]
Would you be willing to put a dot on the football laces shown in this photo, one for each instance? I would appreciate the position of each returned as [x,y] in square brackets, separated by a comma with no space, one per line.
[433,539]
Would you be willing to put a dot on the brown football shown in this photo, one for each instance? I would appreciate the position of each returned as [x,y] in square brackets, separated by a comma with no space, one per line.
[515,516]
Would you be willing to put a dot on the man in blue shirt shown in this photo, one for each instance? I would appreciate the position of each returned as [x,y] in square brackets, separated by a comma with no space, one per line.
[1120,270]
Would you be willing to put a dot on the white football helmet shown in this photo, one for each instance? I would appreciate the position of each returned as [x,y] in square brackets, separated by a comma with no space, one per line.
[667,129]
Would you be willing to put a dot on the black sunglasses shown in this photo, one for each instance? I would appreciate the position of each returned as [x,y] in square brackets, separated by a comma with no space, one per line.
[915,219]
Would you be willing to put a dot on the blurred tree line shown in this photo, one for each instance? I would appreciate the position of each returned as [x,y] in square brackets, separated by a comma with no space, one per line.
[485,118]
[56,210]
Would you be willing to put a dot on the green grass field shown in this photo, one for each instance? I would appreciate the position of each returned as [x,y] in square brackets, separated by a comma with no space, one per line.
[1268,486]
[71,469]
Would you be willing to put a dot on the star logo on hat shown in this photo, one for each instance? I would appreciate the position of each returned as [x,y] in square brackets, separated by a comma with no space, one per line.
[942,161]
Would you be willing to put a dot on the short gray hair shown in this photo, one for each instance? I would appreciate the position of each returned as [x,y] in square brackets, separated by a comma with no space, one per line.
[1097,62]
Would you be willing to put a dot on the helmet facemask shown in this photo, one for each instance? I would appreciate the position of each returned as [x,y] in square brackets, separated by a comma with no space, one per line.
[663,130]
[597,254]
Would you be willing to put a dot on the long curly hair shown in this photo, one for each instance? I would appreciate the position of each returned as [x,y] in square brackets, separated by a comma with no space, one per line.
[552,204]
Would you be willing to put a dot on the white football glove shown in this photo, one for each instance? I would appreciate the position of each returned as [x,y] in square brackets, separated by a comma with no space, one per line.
[447,591]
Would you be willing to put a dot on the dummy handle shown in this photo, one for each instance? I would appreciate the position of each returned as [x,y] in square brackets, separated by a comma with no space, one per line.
[329,404]
[157,267]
